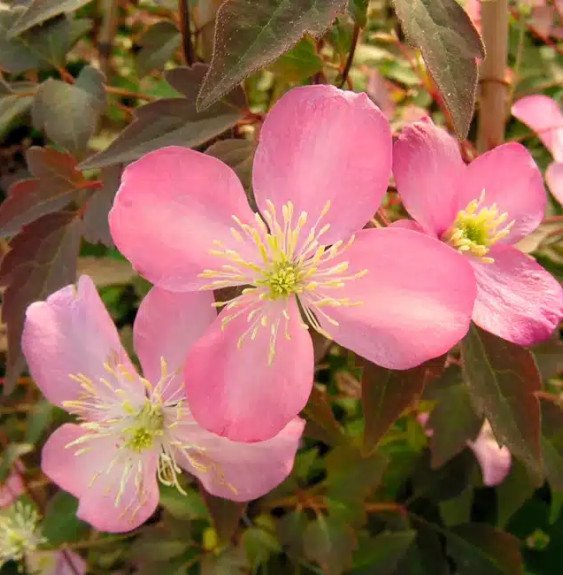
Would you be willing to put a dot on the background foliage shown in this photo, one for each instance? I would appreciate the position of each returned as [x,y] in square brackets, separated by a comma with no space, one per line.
[88,86]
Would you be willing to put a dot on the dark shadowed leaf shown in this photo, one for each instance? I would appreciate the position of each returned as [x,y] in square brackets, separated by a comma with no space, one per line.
[290,529]
[449,44]
[79,104]
[56,182]
[387,393]
[299,63]
[250,34]
[60,524]
[42,259]
[481,549]
[158,44]
[225,514]
[156,543]
[259,545]
[331,543]
[238,154]
[383,553]
[426,556]
[169,122]
[457,509]
[552,443]
[503,380]
[321,423]
[549,356]
[96,224]
[231,561]
[453,421]
[12,104]
[40,48]
[513,492]
[40,10]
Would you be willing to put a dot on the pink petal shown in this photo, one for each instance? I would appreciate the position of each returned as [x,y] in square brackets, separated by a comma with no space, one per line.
[235,392]
[55,562]
[512,180]
[173,204]
[68,334]
[167,325]
[516,298]
[317,144]
[418,296]
[494,460]
[428,169]
[242,471]
[76,473]
[554,179]
[408,225]
[543,115]
[11,489]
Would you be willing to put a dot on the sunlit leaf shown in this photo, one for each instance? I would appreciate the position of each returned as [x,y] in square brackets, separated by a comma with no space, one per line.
[60,524]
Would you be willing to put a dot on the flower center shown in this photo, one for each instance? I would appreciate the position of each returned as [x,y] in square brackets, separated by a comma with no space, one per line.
[477,228]
[292,262]
[19,532]
[148,424]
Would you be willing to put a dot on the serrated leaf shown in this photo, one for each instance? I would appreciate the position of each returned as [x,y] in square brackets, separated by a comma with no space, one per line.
[40,48]
[383,553]
[452,422]
[80,105]
[169,122]
[331,543]
[56,181]
[479,548]
[301,62]
[42,259]
[387,393]
[12,104]
[96,223]
[250,34]
[503,380]
[225,514]
[40,10]
[158,45]
[60,524]
[450,44]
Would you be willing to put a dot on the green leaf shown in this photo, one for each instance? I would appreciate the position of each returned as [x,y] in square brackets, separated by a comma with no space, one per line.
[299,63]
[484,550]
[156,544]
[331,543]
[291,528]
[10,455]
[259,546]
[232,561]
[457,509]
[225,515]
[38,420]
[359,11]
[321,423]
[42,260]
[449,44]
[56,182]
[387,393]
[180,506]
[13,105]
[552,443]
[453,421]
[503,380]
[60,524]
[250,34]
[239,155]
[383,553]
[513,492]
[169,122]
[158,45]
[80,105]
[40,10]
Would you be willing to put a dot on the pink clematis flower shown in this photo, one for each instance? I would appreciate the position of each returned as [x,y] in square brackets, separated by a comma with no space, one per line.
[134,429]
[321,169]
[543,115]
[55,563]
[479,210]
[12,488]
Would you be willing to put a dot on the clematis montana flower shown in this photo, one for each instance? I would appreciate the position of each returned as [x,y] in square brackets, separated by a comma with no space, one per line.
[134,429]
[479,210]
[543,115]
[321,169]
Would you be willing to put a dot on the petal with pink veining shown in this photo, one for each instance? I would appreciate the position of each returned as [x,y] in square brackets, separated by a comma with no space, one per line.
[240,471]
[511,180]
[417,298]
[543,115]
[167,325]
[554,179]
[428,169]
[68,334]
[516,298]
[172,206]
[234,391]
[319,143]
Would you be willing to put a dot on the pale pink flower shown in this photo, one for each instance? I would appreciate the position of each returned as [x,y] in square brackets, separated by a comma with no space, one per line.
[543,115]
[134,429]
[494,460]
[12,488]
[480,210]
[55,563]
[321,169]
